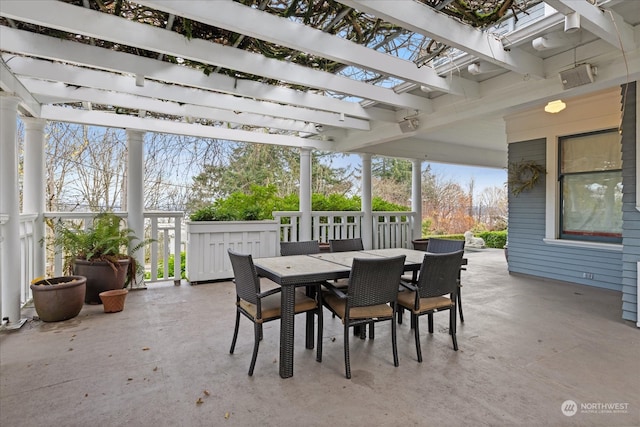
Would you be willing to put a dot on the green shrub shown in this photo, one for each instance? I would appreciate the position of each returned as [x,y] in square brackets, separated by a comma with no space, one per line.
[261,201]
[494,239]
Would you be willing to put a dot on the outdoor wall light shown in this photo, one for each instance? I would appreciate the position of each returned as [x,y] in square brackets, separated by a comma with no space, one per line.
[555,106]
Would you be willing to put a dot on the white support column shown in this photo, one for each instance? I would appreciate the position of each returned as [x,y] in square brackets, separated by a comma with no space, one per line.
[365,200]
[33,189]
[305,194]
[10,261]
[135,190]
[416,196]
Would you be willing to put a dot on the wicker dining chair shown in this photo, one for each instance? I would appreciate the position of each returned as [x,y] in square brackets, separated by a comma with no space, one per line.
[344,245]
[304,247]
[435,291]
[371,297]
[264,306]
[440,246]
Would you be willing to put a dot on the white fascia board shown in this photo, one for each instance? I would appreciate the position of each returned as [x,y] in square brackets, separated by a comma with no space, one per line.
[99,118]
[10,84]
[27,43]
[68,93]
[115,82]
[80,20]
[424,20]
[265,26]
[606,24]
[443,152]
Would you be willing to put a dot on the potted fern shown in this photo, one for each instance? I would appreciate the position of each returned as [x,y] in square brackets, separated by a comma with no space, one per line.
[100,253]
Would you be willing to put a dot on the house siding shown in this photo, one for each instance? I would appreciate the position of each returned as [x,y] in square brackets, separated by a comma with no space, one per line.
[529,254]
[630,215]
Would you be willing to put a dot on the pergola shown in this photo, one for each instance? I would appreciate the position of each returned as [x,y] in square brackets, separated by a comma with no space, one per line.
[421,80]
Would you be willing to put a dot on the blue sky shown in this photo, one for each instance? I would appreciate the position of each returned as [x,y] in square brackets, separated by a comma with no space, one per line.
[483,177]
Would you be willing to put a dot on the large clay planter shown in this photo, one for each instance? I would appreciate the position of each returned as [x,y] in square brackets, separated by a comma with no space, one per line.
[101,277]
[420,244]
[56,302]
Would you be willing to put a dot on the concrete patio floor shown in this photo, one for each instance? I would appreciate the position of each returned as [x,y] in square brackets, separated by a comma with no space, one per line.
[526,347]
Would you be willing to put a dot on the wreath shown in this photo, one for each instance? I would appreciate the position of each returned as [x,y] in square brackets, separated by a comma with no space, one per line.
[524,175]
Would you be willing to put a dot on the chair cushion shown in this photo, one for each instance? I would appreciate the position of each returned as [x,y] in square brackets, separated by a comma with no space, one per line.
[407,300]
[370,312]
[271,306]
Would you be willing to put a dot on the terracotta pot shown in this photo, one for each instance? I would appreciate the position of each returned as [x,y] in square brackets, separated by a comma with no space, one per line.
[113,301]
[101,277]
[56,302]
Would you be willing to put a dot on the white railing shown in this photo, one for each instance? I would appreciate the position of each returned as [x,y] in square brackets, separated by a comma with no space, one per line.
[390,229]
[164,228]
[393,229]
[27,255]
[325,225]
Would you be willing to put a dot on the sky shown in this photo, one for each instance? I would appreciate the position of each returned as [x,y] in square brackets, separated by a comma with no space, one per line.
[483,177]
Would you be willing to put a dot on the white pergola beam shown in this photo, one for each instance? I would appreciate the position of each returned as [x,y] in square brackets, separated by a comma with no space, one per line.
[99,118]
[10,84]
[79,20]
[27,43]
[606,24]
[61,91]
[424,20]
[106,81]
[265,26]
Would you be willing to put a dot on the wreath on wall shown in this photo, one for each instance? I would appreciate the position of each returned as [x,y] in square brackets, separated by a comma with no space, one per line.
[524,175]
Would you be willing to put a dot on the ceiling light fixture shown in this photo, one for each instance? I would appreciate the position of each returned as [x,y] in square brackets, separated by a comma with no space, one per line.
[572,22]
[554,107]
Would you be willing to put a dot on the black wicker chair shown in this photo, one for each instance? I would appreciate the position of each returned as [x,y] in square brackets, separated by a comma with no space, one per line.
[260,307]
[371,297]
[435,291]
[344,245]
[441,246]
[305,247]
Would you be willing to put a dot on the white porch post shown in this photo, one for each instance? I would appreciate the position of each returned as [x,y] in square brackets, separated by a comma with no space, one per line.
[135,190]
[367,220]
[305,194]
[33,189]
[416,196]
[10,261]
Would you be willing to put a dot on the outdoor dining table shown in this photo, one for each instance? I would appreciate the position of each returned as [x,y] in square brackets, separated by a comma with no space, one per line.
[298,270]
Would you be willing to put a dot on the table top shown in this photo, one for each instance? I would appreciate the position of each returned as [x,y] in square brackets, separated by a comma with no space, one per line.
[345,258]
[299,269]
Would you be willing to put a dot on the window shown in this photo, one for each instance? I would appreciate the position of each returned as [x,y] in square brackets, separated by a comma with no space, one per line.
[591,187]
